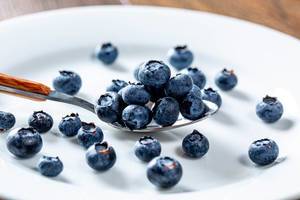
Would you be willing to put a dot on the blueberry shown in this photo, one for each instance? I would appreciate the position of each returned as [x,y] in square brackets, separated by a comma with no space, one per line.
[192,106]
[263,152]
[89,134]
[269,110]
[135,94]
[155,93]
[136,116]
[195,91]
[24,142]
[136,71]
[197,75]
[50,166]
[180,57]
[107,53]
[70,125]
[164,172]
[179,85]
[116,85]
[41,121]
[226,80]
[166,111]
[100,156]
[147,148]
[154,73]
[195,144]
[7,120]
[213,96]
[67,82]
[109,107]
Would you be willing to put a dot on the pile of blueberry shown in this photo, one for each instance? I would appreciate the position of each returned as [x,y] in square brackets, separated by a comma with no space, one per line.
[128,104]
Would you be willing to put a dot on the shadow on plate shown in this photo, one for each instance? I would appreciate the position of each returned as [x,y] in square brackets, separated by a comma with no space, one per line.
[238,94]
[244,160]
[283,124]
[224,118]
[113,177]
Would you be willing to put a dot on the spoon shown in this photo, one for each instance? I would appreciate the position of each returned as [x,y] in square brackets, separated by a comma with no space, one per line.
[39,92]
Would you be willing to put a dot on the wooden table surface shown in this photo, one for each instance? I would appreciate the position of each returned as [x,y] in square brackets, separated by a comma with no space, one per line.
[283,15]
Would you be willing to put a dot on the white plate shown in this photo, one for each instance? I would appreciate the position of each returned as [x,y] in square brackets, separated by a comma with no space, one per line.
[266,62]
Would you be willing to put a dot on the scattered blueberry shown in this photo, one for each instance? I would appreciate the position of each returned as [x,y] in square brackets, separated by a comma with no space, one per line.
[101,156]
[154,73]
[67,82]
[24,142]
[179,85]
[70,125]
[7,121]
[89,134]
[50,166]
[180,57]
[195,144]
[197,75]
[164,172]
[147,148]
[263,152]
[192,106]
[109,107]
[226,80]
[107,53]
[269,110]
[116,85]
[166,111]
[213,96]
[136,116]
[135,94]
[41,121]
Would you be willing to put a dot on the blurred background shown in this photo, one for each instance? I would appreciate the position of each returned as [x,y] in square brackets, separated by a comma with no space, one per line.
[283,15]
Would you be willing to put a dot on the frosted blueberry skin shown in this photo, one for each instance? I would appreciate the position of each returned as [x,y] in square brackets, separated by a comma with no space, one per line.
[164,172]
[135,94]
[50,166]
[192,106]
[154,73]
[89,134]
[178,86]
[147,148]
[70,125]
[107,53]
[213,96]
[136,71]
[180,57]
[166,111]
[41,121]
[7,121]
[101,156]
[116,85]
[24,142]
[67,82]
[109,107]
[136,116]
[269,110]
[195,145]
[263,152]
[226,80]
[197,75]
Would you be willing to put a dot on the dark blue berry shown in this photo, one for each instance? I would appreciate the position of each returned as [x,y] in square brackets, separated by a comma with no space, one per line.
[180,57]
[197,75]
[116,85]
[147,148]
[67,82]
[7,121]
[269,110]
[195,144]
[40,121]
[89,134]
[164,172]
[213,96]
[24,142]
[263,152]
[107,53]
[226,80]
[50,166]
[136,116]
[179,85]
[166,111]
[155,93]
[101,156]
[70,125]
[135,94]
